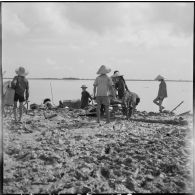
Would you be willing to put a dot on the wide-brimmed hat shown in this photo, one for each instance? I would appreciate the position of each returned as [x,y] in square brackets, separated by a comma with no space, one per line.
[117,74]
[159,77]
[21,71]
[103,70]
[83,86]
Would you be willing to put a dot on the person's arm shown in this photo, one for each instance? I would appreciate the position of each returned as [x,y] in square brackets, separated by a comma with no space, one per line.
[160,90]
[95,87]
[113,92]
[94,91]
[126,87]
[125,84]
[110,83]
[27,90]
[89,96]
[116,85]
[13,83]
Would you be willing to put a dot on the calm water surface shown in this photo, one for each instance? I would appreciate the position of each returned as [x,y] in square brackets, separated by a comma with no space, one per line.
[147,90]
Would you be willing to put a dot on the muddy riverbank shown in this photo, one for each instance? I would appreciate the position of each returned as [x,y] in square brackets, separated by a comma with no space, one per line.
[73,154]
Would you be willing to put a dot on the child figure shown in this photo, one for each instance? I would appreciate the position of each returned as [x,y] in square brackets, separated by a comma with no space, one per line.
[47,103]
[102,87]
[85,96]
[162,92]
[21,86]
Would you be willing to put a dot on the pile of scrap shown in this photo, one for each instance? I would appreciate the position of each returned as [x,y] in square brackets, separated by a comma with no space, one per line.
[76,104]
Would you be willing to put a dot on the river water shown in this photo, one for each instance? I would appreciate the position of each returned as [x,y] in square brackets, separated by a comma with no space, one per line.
[147,90]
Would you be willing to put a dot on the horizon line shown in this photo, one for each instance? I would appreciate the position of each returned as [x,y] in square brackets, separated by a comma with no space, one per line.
[75,78]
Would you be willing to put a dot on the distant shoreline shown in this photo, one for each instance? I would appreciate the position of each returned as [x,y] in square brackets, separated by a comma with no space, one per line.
[75,79]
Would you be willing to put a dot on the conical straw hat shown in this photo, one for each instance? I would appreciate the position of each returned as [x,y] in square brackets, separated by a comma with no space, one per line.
[159,77]
[117,74]
[103,70]
[83,86]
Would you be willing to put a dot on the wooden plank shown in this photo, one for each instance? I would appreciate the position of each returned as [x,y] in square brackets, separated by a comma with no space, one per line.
[187,112]
[177,106]
[171,122]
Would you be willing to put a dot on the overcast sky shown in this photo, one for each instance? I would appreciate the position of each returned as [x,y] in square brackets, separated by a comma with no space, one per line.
[141,40]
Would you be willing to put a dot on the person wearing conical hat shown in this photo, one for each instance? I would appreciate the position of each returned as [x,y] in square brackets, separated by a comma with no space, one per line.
[120,84]
[162,92]
[21,86]
[103,86]
[85,96]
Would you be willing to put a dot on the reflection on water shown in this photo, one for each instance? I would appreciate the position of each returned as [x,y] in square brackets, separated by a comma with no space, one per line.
[147,90]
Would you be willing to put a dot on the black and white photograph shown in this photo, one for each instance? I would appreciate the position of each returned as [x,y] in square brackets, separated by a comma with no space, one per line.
[97,97]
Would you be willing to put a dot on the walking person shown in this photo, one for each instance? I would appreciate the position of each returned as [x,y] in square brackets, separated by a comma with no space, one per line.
[162,92]
[102,88]
[21,86]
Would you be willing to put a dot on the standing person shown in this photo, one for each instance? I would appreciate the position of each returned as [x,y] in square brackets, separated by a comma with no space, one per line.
[85,96]
[162,92]
[102,87]
[120,84]
[21,86]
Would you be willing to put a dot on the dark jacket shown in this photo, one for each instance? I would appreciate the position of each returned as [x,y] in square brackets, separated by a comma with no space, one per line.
[162,92]
[121,87]
[85,96]
[20,84]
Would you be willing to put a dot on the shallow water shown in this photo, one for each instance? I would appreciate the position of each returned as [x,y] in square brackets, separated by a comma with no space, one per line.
[147,90]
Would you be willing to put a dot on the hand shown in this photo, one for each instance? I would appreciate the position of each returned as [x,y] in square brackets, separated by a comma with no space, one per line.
[14,81]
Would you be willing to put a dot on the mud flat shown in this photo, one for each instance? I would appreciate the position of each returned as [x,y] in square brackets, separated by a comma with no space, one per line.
[73,154]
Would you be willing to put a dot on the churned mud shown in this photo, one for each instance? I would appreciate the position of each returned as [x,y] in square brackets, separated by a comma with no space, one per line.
[73,154]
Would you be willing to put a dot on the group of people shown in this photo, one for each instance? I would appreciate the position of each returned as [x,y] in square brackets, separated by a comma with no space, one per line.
[106,89]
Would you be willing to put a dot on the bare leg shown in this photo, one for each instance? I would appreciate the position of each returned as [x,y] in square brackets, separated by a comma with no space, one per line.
[107,114]
[156,101]
[3,110]
[98,112]
[3,104]
[20,110]
[15,114]
[160,105]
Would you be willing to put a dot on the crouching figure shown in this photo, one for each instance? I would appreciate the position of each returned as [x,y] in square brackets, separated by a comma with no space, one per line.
[129,103]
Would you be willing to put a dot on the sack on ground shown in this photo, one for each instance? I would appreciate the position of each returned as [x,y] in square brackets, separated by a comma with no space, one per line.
[8,98]
[34,106]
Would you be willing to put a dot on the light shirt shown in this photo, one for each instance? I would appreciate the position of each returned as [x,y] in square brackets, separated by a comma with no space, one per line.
[103,84]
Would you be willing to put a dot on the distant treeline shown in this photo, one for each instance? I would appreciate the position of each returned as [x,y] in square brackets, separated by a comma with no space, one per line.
[72,78]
